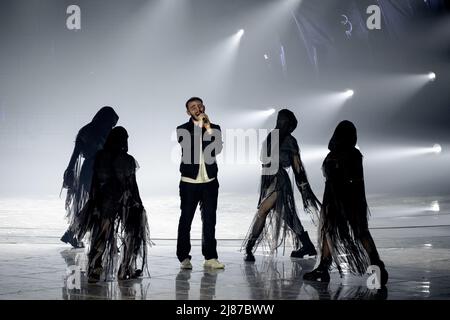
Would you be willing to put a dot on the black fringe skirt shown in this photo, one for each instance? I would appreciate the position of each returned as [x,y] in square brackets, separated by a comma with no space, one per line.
[344,223]
[78,196]
[116,231]
[282,222]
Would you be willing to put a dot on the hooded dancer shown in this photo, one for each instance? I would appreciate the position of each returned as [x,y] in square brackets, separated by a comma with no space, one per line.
[78,175]
[344,232]
[276,218]
[115,215]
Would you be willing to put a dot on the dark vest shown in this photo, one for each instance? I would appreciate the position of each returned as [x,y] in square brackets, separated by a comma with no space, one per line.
[189,166]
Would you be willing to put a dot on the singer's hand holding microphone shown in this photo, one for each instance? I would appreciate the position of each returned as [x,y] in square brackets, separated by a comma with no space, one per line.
[205,120]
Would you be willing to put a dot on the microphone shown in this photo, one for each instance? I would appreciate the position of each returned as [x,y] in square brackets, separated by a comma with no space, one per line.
[205,120]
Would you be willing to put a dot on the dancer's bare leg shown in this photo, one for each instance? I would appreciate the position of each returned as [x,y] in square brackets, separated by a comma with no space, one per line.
[258,225]
[262,213]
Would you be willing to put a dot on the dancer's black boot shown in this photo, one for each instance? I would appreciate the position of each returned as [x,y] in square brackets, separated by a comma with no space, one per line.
[94,274]
[95,268]
[306,249]
[249,257]
[126,274]
[69,237]
[320,273]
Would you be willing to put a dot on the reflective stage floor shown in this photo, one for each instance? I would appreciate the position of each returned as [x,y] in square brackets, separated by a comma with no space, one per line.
[414,247]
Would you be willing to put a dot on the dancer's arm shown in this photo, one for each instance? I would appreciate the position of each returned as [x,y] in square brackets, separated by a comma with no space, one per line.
[135,191]
[301,179]
[310,202]
[69,173]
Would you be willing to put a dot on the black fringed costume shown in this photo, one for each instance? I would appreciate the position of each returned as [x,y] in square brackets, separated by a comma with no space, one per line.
[114,214]
[78,175]
[344,232]
[277,217]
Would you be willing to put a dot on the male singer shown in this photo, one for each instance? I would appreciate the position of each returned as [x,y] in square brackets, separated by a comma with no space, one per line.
[200,142]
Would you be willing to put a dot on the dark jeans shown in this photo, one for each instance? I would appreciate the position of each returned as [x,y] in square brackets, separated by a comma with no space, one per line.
[191,195]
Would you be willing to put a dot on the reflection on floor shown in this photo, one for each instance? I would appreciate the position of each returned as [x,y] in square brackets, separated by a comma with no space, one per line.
[418,267]
[412,235]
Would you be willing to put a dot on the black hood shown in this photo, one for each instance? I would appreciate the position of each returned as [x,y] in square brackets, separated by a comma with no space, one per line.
[106,116]
[286,121]
[117,140]
[344,137]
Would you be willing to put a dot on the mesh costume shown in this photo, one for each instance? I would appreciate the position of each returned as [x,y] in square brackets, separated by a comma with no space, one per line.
[114,214]
[78,175]
[344,232]
[273,225]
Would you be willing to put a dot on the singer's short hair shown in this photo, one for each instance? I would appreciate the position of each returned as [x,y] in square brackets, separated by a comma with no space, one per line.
[193,99]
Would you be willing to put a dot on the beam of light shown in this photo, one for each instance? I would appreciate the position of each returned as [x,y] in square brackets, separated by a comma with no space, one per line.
[271,17]
[341,97]
[349,93]
[437,148]
[327,103]
[401,152]
[218,60]
[420,80]
[336,100]
[261,114]
[293,3]
[320,106]
[432,76]
[248,118]
[313,153]
[269,112]
[396,88]
[407,210]
[435,206]
[231,44]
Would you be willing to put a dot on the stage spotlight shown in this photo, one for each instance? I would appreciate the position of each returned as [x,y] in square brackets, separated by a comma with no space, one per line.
[219,58]
[235,39]
[269,112]
[399,152]
[326,102]
[262,115]
[349,93]
[432,76]
[435,206]
[252,118]
[437,148]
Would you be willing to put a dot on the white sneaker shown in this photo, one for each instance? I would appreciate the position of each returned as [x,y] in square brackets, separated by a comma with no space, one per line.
[186,264]
[213,264]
